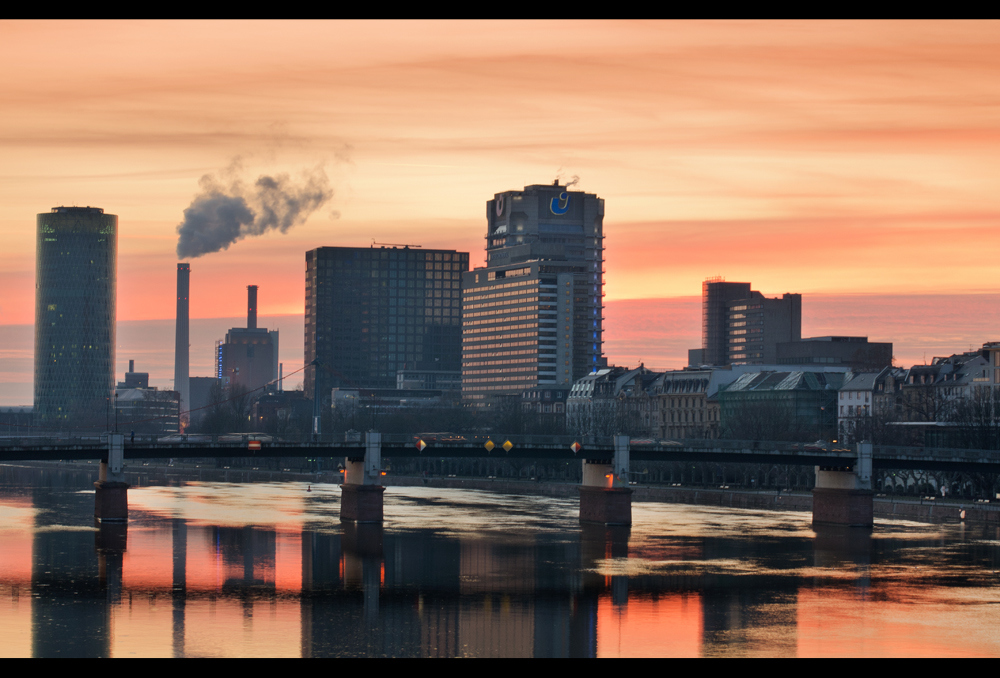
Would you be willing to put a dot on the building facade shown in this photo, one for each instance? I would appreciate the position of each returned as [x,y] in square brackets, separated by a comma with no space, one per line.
[371,312]
[741,326]
[75,296]
[249,356]
[534,315]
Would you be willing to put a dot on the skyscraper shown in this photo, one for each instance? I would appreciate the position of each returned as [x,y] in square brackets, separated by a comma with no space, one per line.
[371,312]
[534,315]
[75,278]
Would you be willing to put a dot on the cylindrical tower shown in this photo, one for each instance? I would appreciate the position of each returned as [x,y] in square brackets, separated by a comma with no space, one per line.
[182,342]
[76,258]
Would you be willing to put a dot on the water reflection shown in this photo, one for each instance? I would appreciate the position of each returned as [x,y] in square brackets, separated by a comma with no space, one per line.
[215,569]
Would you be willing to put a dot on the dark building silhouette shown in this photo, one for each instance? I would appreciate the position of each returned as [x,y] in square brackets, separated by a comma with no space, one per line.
[182,345]
[741,326]
[249,356]
[371,312]
[75,277]
[534,315]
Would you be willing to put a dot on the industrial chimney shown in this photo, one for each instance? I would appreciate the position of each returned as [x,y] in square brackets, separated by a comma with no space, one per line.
[182,373]
[251,307]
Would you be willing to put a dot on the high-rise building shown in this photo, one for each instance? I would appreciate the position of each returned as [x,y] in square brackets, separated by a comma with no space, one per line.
[534,315]
[373,311]
[75,276]
[249,356]
[741,326]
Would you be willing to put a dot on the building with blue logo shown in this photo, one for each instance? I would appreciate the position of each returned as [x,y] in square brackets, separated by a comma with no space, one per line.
[533,316]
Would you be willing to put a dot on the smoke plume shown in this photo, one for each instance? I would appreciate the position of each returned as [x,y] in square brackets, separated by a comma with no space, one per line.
[226,210]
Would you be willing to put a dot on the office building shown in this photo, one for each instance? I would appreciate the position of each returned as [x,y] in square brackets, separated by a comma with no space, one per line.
[373,311]
[741,326]
[249,356]
[534,315]
[856,352]
[75,274]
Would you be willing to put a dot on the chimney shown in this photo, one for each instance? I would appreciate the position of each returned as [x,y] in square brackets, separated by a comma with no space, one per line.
[182,382]
[131,366]
[251,307]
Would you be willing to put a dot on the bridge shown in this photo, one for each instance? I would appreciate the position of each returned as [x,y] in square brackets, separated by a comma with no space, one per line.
[843,492]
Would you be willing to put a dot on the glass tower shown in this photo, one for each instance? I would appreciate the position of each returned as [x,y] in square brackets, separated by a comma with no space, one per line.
[371,312]
[75,276]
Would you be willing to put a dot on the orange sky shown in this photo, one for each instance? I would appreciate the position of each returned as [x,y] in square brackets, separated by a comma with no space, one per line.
[813,157]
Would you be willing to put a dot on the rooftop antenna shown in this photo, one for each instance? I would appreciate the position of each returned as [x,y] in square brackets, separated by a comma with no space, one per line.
[392,244]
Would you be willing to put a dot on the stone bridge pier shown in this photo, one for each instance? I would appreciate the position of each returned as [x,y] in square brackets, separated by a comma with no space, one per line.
[605,495]
[111,490]
[361,493]
[843,495]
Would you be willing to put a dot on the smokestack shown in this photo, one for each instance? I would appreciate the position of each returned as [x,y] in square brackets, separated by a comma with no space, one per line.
[131,366]
[182,373]
[251,307]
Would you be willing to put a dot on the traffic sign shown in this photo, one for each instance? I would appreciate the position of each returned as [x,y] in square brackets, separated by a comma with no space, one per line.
[576,447]
[489,445]
[507,445]
[421,445]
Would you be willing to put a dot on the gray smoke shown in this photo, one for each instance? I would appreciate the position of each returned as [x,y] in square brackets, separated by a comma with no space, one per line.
[227,210]
[561,178]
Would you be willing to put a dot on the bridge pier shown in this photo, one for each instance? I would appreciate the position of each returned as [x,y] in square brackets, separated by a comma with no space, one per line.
[111,490]
[605,496]
[361,493]
[843,495]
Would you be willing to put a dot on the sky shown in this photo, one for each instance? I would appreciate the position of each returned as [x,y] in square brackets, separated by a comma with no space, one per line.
[851,162]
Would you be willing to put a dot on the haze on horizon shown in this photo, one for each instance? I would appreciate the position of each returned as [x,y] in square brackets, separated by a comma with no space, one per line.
[834,159]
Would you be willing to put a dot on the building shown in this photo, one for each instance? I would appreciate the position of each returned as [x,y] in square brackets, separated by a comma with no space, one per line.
[741,326]
[249,356]
[856,352]
[610,401]
[145,410]
[374,311]
[777,405]
[75,287]
[534,315]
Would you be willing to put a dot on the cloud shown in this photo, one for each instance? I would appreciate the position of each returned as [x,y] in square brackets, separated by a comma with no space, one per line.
[227,210]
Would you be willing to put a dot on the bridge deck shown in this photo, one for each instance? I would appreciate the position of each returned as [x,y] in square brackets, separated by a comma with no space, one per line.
[523,447]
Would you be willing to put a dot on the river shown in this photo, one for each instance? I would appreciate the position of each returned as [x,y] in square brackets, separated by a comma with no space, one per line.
[266,569]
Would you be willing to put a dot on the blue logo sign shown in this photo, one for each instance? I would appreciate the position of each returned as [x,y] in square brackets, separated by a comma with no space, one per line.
[562,206]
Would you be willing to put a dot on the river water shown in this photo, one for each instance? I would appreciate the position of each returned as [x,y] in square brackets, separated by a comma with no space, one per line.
[267,569]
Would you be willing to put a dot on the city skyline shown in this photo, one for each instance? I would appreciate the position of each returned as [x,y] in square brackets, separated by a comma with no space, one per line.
[833,159]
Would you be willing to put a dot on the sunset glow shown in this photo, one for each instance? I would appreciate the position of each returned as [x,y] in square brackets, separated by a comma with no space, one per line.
[833,159]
